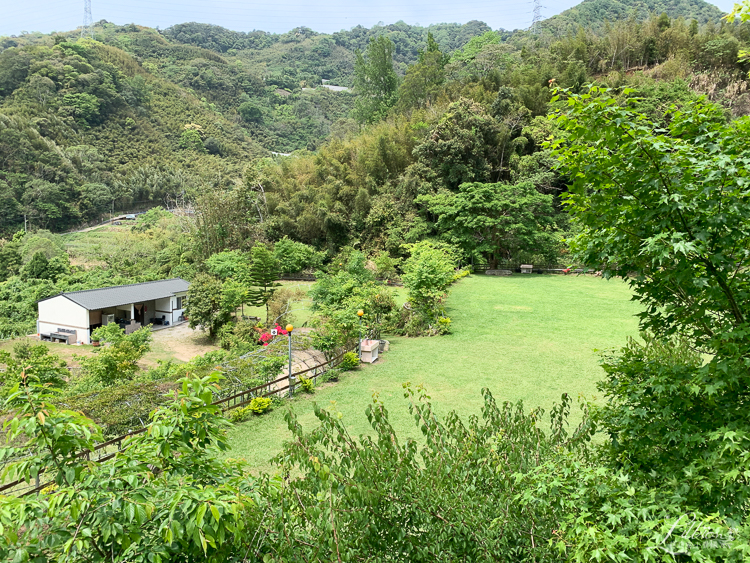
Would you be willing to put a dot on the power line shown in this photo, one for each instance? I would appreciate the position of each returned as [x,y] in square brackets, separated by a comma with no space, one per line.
[537,16]
[237,14]
[88,22]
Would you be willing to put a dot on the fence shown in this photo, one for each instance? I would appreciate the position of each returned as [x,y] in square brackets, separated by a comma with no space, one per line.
[516,267]
[272,387]
[107,450]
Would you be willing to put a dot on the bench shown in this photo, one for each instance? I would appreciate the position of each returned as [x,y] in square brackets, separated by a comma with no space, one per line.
[59,337]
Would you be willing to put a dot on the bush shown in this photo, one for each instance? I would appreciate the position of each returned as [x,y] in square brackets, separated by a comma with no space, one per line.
[417,323]
[280,305]
[385,265]
[257,406]
[295,256]
[349,361]
[331,375]
[307,385]
[240,415]
[428,273]
[117,362]
[120,408]
[461,274]
[270,368]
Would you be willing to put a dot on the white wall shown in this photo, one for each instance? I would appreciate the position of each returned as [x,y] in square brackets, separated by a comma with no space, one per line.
[176,312]
[163,309]
[61,312]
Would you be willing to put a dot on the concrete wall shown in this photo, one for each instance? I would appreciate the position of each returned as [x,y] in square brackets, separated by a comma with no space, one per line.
[163,308]
[177,311]
[61,312]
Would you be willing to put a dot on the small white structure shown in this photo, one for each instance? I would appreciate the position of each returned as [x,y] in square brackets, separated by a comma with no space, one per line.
[78,313]
[526,268]
[370,350]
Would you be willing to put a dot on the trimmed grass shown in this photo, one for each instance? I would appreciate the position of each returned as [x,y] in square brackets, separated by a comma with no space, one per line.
[528,338]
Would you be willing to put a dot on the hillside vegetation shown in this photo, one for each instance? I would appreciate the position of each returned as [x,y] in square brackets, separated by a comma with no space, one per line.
[142,117]
[595,14]
[618,147]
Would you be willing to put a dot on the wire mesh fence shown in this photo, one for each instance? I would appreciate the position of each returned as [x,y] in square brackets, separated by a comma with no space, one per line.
[233,394]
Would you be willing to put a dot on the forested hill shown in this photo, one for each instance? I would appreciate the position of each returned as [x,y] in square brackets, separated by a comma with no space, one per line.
[593,14]
[140,117]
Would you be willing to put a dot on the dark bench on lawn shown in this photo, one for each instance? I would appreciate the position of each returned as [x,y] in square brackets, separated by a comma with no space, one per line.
[62,335]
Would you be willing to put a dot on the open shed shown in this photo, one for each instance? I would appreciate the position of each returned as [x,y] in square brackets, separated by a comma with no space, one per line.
[78,313]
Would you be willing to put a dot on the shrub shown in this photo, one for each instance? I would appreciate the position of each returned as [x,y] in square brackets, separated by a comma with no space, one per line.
[385,265]
[269,369]
[349,361]
[308,386]
[331,375]
[443,325]
[296,256]
[461,274]
[119,408]
[280,305]
[240,415]
[259,405]
[117,362]
[427,274]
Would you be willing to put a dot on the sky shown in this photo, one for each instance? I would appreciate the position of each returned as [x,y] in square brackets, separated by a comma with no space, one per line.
[277,16]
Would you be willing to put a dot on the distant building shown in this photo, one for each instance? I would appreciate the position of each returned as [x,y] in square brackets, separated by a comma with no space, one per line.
[78,313]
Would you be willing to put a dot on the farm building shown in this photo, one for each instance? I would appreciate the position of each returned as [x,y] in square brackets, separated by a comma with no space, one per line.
[73,315]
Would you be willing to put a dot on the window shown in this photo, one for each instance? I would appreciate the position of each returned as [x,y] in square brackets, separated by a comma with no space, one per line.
[178,300]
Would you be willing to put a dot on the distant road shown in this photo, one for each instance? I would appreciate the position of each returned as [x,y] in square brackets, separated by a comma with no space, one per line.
[120,217]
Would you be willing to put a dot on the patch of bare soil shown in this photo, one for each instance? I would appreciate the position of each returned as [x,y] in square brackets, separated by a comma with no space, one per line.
[179,342]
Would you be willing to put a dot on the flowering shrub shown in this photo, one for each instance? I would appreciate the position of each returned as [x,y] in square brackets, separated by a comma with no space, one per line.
[266,337]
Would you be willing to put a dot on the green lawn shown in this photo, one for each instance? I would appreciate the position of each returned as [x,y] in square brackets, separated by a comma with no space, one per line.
[527,338]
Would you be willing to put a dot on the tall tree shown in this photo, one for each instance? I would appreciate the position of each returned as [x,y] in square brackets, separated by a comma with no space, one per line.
[423,79]
[496,221]
[262,276]
[668,210]
[375,80]
[462,147]
[205,304]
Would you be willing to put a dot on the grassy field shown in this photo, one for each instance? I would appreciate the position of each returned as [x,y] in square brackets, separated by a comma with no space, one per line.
[527,338]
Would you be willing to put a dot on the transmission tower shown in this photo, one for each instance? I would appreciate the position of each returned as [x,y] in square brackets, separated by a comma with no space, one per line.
[88,22]
[537,16]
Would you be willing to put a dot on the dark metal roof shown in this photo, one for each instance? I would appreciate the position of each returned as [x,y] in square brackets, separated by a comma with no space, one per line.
[93,299]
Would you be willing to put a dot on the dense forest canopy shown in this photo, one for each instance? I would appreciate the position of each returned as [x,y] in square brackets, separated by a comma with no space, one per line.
[593,14]
[140,117]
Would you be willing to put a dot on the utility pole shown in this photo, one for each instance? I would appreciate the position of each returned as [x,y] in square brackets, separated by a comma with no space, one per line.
[537,16]
[88,22]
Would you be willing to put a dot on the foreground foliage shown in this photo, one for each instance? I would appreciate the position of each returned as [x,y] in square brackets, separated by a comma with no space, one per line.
[667,210]
[165,496]
[495,488]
